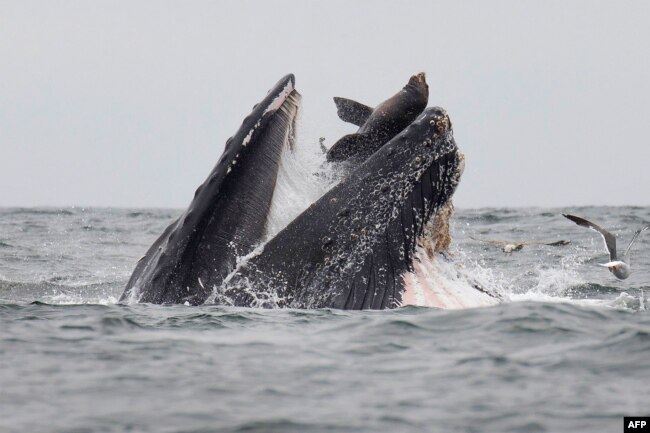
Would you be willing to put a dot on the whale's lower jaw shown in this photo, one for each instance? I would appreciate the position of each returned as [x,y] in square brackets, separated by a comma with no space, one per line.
[440,283]
[436,280]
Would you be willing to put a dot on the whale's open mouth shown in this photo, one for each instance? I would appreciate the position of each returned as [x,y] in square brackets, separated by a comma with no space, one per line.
[352,248]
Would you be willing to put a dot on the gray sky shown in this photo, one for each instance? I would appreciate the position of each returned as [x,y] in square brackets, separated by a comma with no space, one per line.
[129,103]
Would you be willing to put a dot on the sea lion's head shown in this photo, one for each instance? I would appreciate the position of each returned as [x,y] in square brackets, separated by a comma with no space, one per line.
[419,81]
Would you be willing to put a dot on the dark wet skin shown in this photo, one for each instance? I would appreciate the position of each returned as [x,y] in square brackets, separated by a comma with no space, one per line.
[379,125]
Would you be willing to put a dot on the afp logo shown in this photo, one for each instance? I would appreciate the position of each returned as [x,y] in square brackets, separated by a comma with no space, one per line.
[636,424]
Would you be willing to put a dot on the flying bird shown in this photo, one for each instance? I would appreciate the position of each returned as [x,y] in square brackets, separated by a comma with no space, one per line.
[509,246]
[620,268]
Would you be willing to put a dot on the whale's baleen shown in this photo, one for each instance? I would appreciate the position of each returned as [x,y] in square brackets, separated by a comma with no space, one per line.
[352,248]
[228,214]
[378,125]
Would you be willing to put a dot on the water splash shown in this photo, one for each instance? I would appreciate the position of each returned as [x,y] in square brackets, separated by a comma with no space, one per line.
[302,179]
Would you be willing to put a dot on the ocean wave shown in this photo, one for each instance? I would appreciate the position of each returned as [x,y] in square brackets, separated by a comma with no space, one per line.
[38,211]
[57,293]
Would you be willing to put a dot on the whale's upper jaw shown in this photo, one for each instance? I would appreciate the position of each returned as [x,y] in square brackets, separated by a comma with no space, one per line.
[229,212]
[282,96]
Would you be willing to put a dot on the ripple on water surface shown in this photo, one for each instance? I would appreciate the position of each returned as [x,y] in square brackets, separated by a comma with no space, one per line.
[72,360]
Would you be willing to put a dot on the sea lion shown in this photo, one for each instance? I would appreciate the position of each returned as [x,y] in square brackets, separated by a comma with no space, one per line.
[378,125]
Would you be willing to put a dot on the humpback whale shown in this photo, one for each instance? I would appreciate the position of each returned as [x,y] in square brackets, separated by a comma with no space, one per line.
[353,248]
[377,126]
[228,214]
[363,245]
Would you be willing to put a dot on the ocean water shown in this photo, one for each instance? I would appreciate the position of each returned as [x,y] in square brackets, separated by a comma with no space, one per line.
[569,351]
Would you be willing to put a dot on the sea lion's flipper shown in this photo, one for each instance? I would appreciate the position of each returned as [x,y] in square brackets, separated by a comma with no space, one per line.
[352,111]
[348,146]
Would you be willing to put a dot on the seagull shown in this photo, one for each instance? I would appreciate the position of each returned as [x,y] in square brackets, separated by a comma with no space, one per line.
[620,268]
[509,246]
